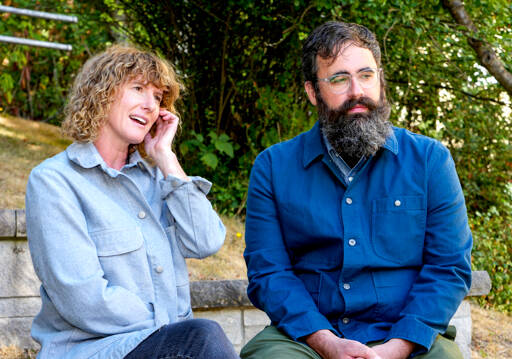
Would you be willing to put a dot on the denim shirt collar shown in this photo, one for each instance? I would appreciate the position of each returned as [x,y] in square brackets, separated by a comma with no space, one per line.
[87,156]
[314,146]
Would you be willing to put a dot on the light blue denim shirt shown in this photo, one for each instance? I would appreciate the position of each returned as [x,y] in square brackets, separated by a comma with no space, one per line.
[109,248]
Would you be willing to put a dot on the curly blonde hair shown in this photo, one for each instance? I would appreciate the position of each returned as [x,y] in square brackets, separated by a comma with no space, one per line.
[96,85]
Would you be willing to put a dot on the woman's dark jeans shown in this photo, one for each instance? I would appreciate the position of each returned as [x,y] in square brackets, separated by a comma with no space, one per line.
[190,339]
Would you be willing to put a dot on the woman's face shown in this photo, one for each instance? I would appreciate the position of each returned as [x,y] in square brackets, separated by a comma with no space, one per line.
[132,114]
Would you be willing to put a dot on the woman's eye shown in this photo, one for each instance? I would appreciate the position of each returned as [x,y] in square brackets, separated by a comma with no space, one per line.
[137,88]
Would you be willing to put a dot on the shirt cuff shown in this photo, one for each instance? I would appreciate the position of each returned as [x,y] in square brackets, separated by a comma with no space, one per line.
[309,323]
[413,330]
[172,183]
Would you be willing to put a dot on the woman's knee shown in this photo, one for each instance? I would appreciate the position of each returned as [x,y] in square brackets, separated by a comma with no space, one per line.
[213,341]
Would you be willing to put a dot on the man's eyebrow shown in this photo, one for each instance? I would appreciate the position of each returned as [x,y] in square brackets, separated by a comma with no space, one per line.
[343,72]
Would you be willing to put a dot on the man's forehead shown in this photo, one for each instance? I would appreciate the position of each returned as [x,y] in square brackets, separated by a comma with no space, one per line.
[348,53]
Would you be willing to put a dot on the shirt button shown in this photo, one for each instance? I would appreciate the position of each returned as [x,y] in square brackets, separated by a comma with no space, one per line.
[142,214]
[175,183]
[351,242]
[350,179]
[398,203]
[348,200]
[346,286]
[159,269]
[346,320]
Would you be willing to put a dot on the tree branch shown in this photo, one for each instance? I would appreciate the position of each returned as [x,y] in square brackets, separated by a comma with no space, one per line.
[486,54]
[454,89]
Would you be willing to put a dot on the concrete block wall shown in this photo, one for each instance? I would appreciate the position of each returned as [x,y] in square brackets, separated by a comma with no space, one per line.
[223,301]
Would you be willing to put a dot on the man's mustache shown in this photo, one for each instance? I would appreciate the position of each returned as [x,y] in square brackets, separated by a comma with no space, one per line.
[351,103]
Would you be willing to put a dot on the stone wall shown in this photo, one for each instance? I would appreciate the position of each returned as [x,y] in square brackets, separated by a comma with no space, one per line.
[223,301]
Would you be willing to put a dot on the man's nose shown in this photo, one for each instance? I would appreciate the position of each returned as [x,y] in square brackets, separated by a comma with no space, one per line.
[355,90]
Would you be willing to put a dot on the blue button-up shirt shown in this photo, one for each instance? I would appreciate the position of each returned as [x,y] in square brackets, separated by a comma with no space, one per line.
[109,247]
[385,256]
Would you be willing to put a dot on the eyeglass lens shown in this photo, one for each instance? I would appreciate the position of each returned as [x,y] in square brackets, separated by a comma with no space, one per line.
[341,82]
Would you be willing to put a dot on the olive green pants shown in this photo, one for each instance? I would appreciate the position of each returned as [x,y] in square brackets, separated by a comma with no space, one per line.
[271,343]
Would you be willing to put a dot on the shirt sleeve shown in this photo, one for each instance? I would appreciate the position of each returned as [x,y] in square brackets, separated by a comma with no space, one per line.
[445,277]
[199,230]
[273,286]
[66,261]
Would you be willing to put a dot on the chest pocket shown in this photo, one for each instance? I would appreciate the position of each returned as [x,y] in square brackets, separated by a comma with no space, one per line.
[123,258]
[398,229]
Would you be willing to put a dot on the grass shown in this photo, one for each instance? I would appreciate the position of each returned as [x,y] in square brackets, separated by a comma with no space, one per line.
[24,144]
[492,333]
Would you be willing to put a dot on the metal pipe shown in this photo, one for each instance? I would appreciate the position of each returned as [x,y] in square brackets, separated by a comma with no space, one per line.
[41,14]
[21,41]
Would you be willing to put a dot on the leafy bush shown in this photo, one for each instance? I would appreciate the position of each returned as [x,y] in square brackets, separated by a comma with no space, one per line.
[34,81]
[492,252]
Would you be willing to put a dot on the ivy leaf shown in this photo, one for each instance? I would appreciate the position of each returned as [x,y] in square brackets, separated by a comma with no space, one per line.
[225,147]
[210,160]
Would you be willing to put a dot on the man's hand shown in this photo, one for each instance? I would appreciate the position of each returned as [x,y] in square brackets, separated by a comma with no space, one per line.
[329,346]
[394,349]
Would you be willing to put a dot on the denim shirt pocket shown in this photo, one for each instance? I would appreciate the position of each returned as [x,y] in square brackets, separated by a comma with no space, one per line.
[181,275]
[124,261]
[398,228]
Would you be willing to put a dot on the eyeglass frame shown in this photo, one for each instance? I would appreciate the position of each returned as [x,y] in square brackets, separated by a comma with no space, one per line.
[377,70]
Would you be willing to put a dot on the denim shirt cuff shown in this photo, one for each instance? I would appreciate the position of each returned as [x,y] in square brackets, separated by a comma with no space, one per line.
[173,183]
[414,331]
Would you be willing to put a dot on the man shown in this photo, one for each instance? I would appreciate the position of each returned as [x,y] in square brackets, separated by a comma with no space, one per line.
[358,244]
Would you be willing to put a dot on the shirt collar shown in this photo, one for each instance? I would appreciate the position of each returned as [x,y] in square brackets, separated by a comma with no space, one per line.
[314,147]
[87,156]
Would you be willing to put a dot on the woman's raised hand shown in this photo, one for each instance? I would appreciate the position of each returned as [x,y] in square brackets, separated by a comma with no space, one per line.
[159,146]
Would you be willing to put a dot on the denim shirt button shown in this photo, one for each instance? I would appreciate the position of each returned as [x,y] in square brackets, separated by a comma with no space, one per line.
[350,179]
[398,203]
[352,242]
[142,214]
[159,269]
[346,320]
[346,286]
[348,200]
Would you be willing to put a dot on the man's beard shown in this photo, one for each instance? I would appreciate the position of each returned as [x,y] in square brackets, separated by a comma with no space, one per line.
[355,135]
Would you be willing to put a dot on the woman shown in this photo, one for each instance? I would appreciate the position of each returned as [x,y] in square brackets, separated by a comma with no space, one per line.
[109,232]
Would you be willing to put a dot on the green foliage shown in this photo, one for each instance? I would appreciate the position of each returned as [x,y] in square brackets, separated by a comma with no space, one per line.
[34,81]
[492,252]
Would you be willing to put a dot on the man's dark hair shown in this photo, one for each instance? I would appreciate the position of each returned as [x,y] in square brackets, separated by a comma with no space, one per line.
[327,40]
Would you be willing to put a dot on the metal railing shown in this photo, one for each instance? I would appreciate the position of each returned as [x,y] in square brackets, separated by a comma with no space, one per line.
[39,14]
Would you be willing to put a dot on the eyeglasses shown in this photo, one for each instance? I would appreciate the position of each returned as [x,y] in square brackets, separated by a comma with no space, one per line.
[340,83]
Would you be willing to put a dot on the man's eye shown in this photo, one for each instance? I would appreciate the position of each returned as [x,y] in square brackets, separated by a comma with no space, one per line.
[137,88]
[338,80]
[158,98]
[366,75]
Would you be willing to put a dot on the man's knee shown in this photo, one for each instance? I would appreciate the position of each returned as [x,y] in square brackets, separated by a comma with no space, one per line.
[443,348]
[272,343]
